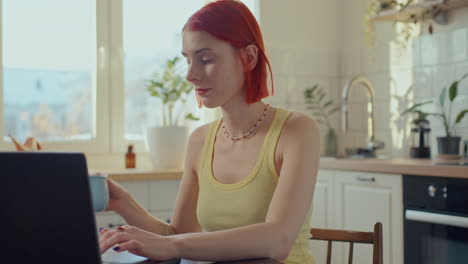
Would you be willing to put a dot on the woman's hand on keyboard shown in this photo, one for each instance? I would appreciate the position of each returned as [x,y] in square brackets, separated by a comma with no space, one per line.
[138,242]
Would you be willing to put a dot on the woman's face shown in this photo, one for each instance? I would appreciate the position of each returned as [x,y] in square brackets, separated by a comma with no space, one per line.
[214,68]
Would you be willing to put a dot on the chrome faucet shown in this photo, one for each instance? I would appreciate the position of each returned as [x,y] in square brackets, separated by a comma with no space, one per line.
[373,144]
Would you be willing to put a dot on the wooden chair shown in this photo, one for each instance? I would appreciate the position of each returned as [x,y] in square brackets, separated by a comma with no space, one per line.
[352,237]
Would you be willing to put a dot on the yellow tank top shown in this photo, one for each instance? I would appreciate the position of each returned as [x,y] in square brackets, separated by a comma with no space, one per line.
[225,206]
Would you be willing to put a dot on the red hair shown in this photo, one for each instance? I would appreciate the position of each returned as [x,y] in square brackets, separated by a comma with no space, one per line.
[232,21]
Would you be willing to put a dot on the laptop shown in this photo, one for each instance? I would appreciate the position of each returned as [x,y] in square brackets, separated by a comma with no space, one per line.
[46,213]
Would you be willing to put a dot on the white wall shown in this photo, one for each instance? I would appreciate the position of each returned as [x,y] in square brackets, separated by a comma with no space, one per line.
[302,38]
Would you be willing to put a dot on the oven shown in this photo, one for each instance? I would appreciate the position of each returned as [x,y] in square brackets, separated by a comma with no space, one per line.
[435,220]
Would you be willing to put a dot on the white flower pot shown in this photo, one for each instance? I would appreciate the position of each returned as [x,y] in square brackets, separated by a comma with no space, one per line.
[167,146]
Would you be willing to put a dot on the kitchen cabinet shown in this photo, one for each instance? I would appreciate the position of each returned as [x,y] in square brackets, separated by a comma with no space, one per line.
[162,195]
[321,212]
[164,215]
[356,201]
[157,196]
[322,204]
[107,220]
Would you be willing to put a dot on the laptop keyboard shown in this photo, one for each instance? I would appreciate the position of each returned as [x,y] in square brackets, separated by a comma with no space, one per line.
[113,257]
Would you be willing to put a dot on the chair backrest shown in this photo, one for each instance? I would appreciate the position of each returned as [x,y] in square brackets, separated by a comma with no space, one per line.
[352,237]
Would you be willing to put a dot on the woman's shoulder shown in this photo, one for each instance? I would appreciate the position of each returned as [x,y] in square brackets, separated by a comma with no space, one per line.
[300,133]
[299,125]
[195,146]
[199,134]
[298,120]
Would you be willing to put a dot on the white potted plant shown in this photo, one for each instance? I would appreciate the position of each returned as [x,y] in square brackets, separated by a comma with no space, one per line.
[167,143]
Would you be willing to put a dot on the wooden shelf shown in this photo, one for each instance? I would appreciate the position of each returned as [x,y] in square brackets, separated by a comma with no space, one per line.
[417,10]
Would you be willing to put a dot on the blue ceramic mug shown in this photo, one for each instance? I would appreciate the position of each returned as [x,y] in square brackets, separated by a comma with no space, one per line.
[99,191]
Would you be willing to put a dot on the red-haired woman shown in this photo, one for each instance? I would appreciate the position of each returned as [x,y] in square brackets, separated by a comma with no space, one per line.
[249,177]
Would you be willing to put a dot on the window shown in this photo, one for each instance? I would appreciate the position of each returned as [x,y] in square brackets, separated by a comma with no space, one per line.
[72,73]
[148,41]
[49,69]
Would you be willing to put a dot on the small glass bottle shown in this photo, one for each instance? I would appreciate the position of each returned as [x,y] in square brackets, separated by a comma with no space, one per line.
[130,161]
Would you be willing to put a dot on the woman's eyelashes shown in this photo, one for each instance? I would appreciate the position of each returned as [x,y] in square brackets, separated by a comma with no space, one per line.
[204,59]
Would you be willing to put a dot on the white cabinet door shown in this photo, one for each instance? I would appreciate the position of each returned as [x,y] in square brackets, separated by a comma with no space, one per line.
[106,219]
[162,194]
[139,190]
[322,205]
[321,212]
[163,215]
[361,200]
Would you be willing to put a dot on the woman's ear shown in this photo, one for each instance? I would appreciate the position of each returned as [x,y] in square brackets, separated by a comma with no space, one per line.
[250,57]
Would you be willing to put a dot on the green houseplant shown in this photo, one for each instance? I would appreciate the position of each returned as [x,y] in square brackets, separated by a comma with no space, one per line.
[172,88]
[322,109]
[448,144]
[167,143]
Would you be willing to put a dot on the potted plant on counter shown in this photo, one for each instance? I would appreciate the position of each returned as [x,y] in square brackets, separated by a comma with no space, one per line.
[450,143]
[322,109]
[167,143]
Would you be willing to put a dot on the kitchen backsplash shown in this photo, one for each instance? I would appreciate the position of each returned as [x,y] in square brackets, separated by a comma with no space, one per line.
[328,47]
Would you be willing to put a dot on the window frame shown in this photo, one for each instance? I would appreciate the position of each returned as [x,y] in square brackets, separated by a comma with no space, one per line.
[109,90]
[100,143]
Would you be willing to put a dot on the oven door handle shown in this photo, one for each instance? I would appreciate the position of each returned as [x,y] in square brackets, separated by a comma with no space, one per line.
[433,218]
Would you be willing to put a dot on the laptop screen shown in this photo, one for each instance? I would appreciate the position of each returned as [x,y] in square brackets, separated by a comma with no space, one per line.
[46,213]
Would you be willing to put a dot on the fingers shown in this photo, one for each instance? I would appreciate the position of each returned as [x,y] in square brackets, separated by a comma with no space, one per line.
[116,191]
[113,184]
[110,238]
[109,181]
[102,231]
[132,246]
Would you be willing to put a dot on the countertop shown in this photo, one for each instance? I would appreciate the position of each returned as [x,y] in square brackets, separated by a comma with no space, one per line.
[424,167]
[139,175]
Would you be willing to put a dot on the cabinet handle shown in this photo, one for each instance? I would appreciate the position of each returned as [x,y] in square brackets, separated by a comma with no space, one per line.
[363,179]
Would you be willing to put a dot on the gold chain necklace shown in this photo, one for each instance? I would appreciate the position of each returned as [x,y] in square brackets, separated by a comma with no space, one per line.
[250,131]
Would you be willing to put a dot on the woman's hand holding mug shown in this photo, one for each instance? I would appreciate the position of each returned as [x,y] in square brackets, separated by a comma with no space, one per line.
[107,195]
[117,196]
